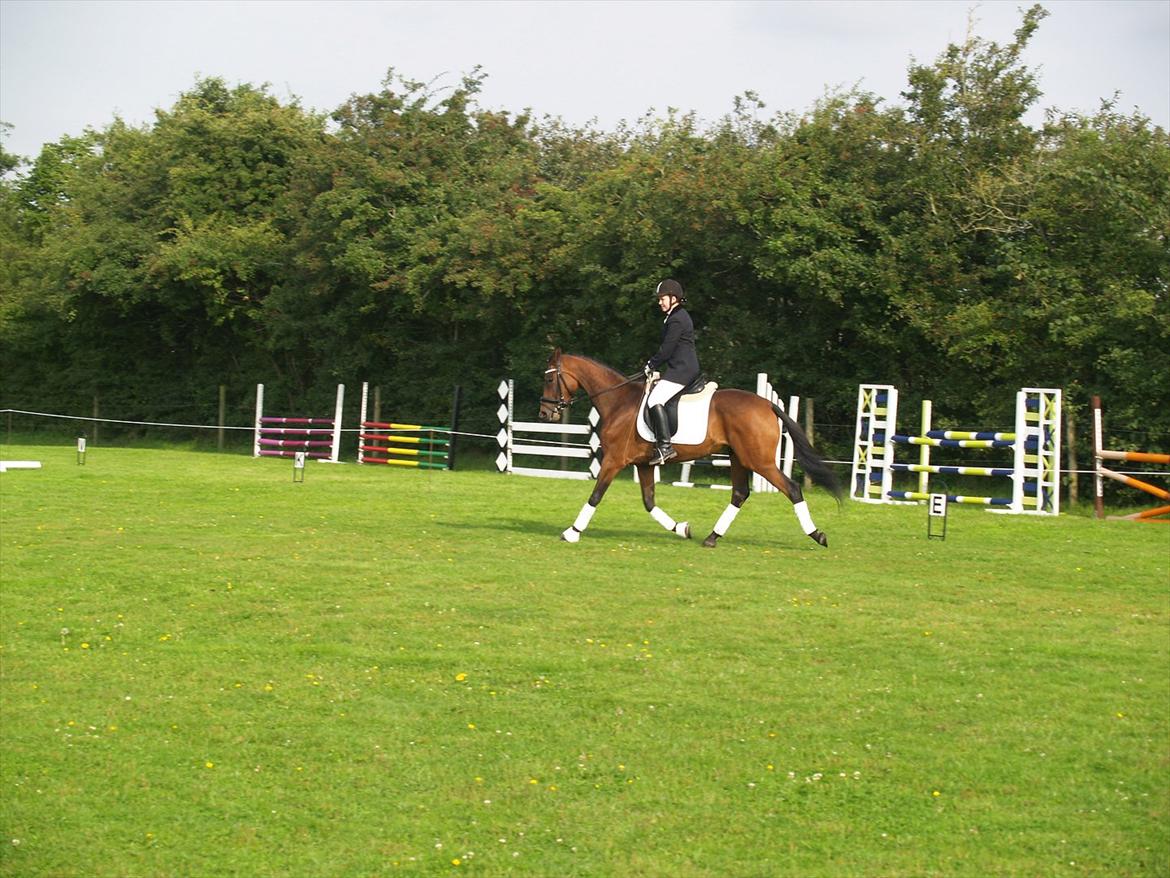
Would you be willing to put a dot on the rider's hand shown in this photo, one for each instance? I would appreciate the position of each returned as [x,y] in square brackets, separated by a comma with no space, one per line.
[646,371]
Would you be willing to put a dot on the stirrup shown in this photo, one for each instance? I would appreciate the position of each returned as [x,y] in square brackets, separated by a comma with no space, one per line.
[662,454]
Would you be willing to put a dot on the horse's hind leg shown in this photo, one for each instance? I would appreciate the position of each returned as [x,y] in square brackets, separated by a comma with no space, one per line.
[792,491]
[646,480]
[740,490]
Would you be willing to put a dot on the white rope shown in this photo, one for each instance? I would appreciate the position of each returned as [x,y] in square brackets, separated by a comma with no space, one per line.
[225,427]
[1082,472]
[116,421]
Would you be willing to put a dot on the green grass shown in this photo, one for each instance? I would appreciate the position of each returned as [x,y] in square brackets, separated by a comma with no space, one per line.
[208,670]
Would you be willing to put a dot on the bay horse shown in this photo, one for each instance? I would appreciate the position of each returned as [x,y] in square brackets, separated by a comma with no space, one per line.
[742,423]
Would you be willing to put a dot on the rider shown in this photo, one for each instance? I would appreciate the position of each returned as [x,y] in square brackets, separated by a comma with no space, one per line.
[678,361]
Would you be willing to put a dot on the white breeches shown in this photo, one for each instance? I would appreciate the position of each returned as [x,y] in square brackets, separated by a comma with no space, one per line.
[664,391]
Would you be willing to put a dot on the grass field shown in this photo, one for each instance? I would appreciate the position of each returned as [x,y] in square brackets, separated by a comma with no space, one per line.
[208,670]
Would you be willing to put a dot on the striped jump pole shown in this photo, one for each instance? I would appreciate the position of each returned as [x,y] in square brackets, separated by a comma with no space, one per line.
[318,438]
[1035,447]
[1101,472]
[390,443]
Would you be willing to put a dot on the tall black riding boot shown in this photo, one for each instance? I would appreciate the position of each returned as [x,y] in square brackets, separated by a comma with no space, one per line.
[661,426]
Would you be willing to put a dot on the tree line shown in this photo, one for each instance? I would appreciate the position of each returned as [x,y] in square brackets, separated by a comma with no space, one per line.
[415,240]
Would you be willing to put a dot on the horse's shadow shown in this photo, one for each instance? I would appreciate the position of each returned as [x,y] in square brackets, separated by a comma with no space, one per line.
[533,527]
[537,527]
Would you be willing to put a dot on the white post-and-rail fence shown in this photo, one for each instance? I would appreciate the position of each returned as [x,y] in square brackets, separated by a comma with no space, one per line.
[516,439]
[785,451]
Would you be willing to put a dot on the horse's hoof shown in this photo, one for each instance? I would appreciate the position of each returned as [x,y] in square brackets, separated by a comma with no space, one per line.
[683,529]
[819,538]
[570,536]
[709,543]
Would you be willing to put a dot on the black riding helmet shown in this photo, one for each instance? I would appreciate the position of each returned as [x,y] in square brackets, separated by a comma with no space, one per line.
[670,288]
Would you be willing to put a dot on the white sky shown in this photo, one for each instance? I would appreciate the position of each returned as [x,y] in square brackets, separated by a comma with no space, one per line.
[65,66]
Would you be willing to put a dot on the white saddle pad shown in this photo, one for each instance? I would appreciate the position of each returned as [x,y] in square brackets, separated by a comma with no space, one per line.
[693,410]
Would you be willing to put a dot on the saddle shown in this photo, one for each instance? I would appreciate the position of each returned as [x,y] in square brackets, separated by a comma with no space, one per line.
[686,413]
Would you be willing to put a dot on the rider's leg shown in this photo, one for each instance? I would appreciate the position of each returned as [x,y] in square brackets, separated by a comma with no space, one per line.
[664,451]
[662,393]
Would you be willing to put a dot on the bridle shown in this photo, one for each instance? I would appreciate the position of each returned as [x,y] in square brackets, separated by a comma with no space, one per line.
[561,402]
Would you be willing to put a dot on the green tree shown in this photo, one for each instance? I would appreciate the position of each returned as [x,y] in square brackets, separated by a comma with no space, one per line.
[971,170]
[1090,305]
[161,241]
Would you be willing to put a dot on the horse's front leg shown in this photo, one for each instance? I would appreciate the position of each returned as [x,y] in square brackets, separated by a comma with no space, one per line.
[646,480]
[573,533]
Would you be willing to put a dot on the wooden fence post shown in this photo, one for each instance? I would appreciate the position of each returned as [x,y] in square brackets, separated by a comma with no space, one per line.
[222,410]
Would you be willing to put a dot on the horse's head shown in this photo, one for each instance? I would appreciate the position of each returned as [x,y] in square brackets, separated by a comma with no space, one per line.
[559,387]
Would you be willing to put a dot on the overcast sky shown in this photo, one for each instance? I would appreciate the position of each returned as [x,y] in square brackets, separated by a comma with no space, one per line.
[68,65]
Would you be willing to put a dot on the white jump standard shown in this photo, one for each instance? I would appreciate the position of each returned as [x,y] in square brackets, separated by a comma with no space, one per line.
[1035,447]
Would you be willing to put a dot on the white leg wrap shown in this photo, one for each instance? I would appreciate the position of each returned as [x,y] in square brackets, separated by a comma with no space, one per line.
[662,518]
[584,517]
[726,519]
[676,527]
[806,522]
[573,534]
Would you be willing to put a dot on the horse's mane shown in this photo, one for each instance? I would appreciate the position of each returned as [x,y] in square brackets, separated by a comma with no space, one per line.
[595,362]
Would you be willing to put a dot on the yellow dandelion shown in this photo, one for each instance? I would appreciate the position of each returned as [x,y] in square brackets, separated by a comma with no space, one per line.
[209,764]
[460,677]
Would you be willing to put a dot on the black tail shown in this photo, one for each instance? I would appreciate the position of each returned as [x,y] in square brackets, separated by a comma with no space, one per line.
[810,459]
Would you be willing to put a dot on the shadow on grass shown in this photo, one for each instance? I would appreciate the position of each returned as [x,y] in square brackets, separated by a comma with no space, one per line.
[543,528]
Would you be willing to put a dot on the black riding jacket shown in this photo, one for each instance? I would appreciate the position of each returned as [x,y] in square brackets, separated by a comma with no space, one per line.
[676,358]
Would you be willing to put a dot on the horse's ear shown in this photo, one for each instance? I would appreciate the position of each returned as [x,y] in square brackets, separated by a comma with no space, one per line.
[556,354]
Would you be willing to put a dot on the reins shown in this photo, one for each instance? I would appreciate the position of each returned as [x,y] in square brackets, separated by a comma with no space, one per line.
[563,404]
